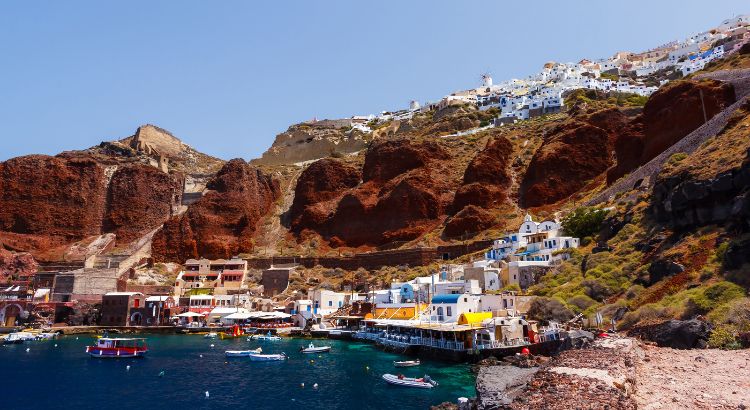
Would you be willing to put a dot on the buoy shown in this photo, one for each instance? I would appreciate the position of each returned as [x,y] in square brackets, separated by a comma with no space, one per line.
[525,351]
[212,345]
[201,355]
[315,386]
[302,385]
[55,344]
[207,394]
[27,350]
[161,373]
[367,367]
[312,361]
[76,337]
[127,367]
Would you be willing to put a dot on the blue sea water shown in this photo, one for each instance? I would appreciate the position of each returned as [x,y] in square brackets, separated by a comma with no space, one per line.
[49,377]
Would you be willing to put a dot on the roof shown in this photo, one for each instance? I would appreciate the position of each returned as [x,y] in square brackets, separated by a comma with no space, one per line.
[123,293]
[445,298]
[201,297]
[157,298]
[227,310]
[472,318]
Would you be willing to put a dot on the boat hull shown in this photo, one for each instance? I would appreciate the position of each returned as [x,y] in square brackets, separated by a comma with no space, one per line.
[406,364]
[311,350]
[267,357]
[406,382]
[115,353]
[241,353]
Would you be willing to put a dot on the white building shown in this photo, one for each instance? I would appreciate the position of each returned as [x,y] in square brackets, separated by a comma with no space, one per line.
[447,308]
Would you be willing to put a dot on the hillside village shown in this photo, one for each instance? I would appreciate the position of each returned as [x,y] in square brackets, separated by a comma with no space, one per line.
[608,194]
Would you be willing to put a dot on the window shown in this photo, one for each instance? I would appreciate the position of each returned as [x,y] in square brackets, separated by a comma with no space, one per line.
[448,311]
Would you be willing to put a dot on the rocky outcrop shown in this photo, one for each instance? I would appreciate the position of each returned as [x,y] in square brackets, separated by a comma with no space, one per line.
[404,192]
[671,113]
[313,140]
[52,197]
[684,201]
[572,154]
[16,265]
[487,178]
[468,222]
[221,224]
[321,182]
[140,198]
[677,334]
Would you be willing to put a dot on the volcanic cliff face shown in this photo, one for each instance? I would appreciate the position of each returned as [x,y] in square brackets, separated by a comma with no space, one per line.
[140,198]
[486,182]
[48,201]
[572,154]
[222,222]
[671,113]
[404,193]
[322,182]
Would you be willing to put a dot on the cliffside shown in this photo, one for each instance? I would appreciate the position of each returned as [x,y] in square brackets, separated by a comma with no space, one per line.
[313,140]
[671,113]
[221,224]
[14,266]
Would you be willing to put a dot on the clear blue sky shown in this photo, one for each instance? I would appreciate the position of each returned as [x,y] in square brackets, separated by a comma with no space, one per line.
[227,76]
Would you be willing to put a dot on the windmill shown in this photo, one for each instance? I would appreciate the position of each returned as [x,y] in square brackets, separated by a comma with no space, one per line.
[486,80]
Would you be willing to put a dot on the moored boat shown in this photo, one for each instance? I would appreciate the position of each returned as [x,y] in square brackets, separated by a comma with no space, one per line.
[242,353]
[211,335]
[107,347]
[13,338]
[313,349]
[406,363]
[423,383]
[267,336]
[267,357]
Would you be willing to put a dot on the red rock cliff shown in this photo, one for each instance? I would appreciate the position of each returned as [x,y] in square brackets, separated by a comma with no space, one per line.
[52,197]
[221,224]
[671,113]
[140,199]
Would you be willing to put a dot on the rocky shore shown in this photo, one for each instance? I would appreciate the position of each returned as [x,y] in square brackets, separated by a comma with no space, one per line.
[620,373]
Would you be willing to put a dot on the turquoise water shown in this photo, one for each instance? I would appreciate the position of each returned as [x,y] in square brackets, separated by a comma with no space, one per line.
[65,377]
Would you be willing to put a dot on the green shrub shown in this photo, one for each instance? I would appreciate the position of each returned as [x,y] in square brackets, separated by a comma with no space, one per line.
[651,311]
[581,302]
[676,158]
[724,337]
[713,296]
[545,309]
[513,287]
[583,222]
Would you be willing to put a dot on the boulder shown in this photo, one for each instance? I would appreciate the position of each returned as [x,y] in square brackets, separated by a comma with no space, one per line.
[677,334]
[662,268]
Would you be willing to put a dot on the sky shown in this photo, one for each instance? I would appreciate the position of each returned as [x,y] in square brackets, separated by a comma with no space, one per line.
[226,77]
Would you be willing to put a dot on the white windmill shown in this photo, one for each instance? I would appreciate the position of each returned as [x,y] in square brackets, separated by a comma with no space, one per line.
[413,105]
[486,80]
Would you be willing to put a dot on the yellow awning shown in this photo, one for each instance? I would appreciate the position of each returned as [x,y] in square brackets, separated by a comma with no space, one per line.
[472,318]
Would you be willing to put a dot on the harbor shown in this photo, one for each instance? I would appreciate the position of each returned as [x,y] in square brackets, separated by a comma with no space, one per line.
[180,369]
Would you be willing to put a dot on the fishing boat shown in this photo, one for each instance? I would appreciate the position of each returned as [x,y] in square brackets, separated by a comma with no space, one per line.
[46,336]
[256,357]
[406,363]
[242,353]
[211,335]
[118,348]
[422,383]
[267,336]
[13,339]
[313,349]
[235,333]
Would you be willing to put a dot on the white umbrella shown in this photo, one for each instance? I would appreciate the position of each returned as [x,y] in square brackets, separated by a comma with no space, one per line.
[190,314]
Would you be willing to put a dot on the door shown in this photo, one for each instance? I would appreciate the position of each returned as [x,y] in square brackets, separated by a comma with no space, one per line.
[12,312]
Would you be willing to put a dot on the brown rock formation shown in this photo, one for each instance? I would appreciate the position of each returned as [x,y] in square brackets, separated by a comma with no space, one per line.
[140,199]
[222,222]
[671,113]
[487,178]
[14,266]
[471,219]
[322,181]
[573,153]
[52,197]
[405,192]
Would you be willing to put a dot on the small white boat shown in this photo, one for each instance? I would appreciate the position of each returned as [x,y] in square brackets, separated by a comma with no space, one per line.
[267,357]
[267,336]
[212,335]
[13,338]
[312,349]
[242,353]
[407,363]
[422,383]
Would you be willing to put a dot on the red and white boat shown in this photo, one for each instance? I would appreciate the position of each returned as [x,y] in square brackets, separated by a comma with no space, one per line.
[107,347]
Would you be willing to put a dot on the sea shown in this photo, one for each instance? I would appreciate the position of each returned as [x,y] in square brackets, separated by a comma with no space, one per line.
[195,374]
